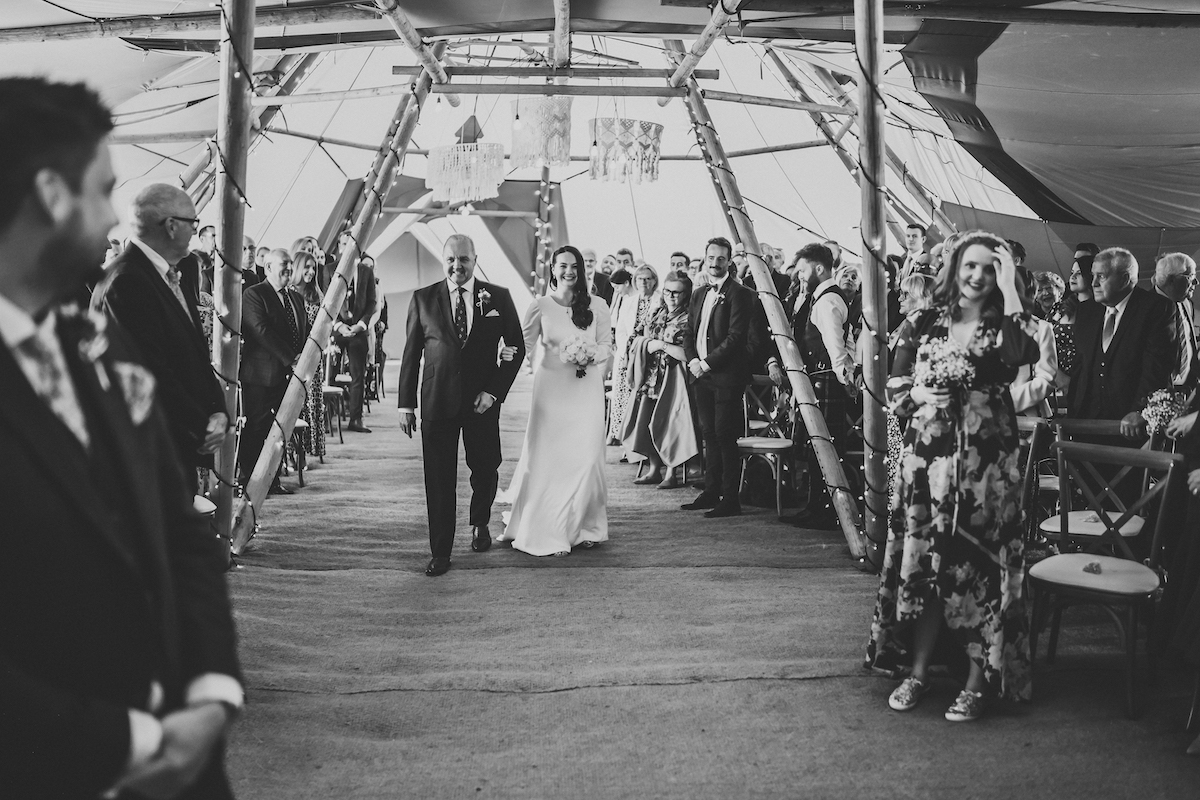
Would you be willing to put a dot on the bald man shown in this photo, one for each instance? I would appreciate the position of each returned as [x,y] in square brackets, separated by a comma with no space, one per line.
[142,294]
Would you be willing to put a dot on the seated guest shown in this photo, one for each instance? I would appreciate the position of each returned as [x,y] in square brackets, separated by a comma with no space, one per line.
[661,422]
[831,369]
[719,320]
[142,294]
[274,328]
[1175,279]
[1125,345]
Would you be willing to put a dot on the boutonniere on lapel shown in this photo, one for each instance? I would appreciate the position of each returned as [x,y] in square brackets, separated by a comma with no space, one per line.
[482,298]
[720,299]
[87,328]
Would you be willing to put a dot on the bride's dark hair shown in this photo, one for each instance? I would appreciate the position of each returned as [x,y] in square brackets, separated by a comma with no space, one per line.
[581,304]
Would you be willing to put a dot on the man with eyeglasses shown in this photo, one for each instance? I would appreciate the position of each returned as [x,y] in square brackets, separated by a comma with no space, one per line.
[1175,279]
[142,293]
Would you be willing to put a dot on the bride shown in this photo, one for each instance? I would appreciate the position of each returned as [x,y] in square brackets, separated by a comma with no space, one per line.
[559,491]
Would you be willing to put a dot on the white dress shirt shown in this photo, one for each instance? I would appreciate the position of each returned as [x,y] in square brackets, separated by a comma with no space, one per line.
[710,302]
[1118,311]
[829,314]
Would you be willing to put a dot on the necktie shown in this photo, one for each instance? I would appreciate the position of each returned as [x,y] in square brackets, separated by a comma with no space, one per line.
[173,282]
[460,317]
[1110,327]
[293,326]
[51,382]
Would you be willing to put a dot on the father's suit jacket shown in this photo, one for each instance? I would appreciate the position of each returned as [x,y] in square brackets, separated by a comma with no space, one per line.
[454,374]
[92,610]
[728,333]
[267,351]
[172,345]
[1141,358]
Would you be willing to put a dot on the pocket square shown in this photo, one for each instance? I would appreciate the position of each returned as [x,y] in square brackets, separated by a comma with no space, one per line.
[492,313]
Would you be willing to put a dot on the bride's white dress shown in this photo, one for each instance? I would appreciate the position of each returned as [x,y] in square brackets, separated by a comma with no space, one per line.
[559,492]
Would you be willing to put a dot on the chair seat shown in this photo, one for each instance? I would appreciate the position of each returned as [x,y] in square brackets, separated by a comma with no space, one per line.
[764,444]
[344,380]
[1048,483]
[203,505]
[1087,523]
[758,424]
[331,391]
[300,425]
[1117,575]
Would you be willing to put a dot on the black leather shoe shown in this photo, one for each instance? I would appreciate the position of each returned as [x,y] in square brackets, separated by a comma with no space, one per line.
[703,501]
[821,519]
[358,427]
[279,488]
[437,566]
[481,538]
[724,510]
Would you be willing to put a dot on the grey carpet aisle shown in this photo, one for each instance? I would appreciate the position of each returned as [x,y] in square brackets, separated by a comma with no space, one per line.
[686,658]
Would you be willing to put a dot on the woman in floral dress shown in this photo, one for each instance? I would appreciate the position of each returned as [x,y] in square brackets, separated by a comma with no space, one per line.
[953,567]
[633,311]
[304,267]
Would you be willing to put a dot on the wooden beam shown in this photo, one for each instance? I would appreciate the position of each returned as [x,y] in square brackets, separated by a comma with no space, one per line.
[560,49]
[379,180]
[426,211]
[773,102]
[329,97]
[781,330]
[716,23]
[556,89]
[868,27]
[236,87]
[311,13]
[399,20]
[474,71]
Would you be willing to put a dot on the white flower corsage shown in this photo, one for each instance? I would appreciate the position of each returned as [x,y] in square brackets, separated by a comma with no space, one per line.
[137,384]
[482,298]
[89,327]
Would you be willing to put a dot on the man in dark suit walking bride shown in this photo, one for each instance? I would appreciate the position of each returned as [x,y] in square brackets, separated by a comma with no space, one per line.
[456,326]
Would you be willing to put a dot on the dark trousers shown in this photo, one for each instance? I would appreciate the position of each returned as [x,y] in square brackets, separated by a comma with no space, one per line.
[439,445]
[259,404]
[834,403]
[722,421]
[355,349]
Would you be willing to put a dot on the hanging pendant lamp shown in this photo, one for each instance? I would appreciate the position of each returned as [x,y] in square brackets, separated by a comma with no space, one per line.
[541,132]
[625,149]
[464,173]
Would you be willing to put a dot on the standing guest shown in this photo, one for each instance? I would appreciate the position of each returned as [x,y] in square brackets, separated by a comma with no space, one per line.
[679,262]
[119,657]
[830,366]
[717,350]
[274,329]
[375,331]
[1125,345]
[696,272]
[114,250]
[608,265]
[206,257]
[141,294]
[916,259]
[1048,291]
[260,264]
[250,274]
[1018,253]
[455,327]
[953,563]
[1175,279]
[1079,282]
[849,280]
[664,433]
[350,334]
[304,281]
[836,249]
[1179,612]
[1058,308]
[741,265]
[598,283]
[1086,249]
[632,312]
[1036,382]
[916,295]
[935,257]
[773,258]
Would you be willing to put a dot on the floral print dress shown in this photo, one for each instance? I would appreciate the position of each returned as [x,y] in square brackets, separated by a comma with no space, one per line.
[954,525]
[314,410]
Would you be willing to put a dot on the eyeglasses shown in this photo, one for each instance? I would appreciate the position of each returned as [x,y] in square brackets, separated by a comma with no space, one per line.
[673,292]
[195,223]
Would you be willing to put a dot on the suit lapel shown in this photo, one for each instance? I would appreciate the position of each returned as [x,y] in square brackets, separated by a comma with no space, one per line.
[441,297]
[479,286]
[190,317]
[1131,316]
[49,442]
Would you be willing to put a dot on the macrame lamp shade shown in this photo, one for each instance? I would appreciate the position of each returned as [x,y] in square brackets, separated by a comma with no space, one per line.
[464,173]
[625,149]
[541,132]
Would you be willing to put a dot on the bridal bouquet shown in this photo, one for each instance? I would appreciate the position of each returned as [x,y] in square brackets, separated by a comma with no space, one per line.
[1161,407]
[578,352]
[943,364]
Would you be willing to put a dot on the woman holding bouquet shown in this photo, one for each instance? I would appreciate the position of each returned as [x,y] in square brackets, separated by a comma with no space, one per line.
[559,491]
[951,588]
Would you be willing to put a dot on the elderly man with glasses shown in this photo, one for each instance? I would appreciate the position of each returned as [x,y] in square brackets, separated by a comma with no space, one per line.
[1175,279]
[142,294]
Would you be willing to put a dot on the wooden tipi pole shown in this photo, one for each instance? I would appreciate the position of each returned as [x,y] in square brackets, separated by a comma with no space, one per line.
[831,466]
[380,181]
[233,145]
[868,38]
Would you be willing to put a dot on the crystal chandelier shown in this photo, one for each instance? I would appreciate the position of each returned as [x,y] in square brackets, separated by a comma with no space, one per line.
[625,149]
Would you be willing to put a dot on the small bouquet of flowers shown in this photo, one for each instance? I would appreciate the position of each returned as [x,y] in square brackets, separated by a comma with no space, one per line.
[1162,407]
[578,352]
[943,364]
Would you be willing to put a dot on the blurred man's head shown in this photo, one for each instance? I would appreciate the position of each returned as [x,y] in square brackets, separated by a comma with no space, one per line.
[56,182]
[208,239]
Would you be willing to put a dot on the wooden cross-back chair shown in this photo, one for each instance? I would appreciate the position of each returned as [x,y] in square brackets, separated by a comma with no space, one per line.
[768,433]
[1106,573]
[1035,434]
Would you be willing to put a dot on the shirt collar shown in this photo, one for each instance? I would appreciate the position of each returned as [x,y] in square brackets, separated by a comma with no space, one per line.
[469,286]
[17,327]
[1120,307]
[824,284]
[719,285]
[157,260]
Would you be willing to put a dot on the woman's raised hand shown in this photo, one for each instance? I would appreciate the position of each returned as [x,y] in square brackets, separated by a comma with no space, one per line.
[1006,269]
